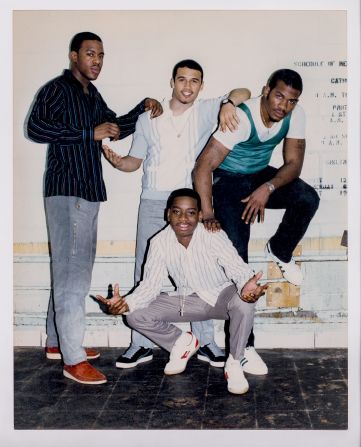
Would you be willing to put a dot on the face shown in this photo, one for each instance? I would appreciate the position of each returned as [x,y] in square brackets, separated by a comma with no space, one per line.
[186,85]
[183,217]
[280,101]
[87,63]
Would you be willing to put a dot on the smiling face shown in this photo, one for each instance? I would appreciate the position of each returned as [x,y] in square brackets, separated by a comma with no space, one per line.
[183,217]
[278,102]
[186,85]
[86,64]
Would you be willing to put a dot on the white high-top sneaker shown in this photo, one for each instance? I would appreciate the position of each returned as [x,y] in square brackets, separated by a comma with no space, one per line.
[183,349]
[233,372]
[290,270]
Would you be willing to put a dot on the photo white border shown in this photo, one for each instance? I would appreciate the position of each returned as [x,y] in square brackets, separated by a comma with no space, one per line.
[132,438]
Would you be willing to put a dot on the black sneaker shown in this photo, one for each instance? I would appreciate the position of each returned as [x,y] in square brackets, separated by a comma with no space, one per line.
[134,355]
[212,354]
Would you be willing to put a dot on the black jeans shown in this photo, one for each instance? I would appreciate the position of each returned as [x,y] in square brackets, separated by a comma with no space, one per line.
[298,198]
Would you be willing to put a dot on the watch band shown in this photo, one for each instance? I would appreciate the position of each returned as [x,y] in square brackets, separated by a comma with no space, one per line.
[271,187]
[226,101]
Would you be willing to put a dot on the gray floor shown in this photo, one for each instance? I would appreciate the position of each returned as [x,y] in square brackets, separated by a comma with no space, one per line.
[305,389]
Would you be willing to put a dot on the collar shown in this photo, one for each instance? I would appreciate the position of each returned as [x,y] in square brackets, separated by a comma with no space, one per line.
[68,75]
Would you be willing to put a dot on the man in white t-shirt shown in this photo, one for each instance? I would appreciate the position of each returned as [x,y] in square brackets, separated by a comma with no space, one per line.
[168,147]
[243,182]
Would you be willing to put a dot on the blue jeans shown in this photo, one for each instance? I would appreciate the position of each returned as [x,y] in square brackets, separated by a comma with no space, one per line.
[72,228]
[151,219]
[298,199]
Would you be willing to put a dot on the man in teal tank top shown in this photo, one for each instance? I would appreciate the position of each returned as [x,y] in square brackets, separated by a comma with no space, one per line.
[244,183]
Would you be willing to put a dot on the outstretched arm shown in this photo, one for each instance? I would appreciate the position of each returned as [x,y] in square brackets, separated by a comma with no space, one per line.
[211,157]
[125,164]
[116,304]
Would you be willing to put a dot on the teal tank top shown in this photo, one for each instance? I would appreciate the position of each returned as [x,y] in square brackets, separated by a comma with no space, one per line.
[253,155]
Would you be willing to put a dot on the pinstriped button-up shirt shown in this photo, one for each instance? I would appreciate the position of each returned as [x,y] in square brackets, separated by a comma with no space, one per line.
[208,265]
[64,117]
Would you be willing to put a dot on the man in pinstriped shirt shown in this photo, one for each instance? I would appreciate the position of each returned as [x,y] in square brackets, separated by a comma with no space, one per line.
[71,117]
[213,282]
[168,147]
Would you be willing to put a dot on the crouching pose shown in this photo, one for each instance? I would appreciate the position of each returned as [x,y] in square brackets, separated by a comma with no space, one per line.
[213,282]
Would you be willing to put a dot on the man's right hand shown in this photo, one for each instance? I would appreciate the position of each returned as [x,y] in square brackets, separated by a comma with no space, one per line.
[211,224]
[106,130]
[117,304]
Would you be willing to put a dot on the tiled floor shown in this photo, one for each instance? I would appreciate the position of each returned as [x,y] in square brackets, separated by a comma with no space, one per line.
[305,389]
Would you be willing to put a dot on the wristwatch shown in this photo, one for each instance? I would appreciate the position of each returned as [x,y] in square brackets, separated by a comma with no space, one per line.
[226,101]
[270,186]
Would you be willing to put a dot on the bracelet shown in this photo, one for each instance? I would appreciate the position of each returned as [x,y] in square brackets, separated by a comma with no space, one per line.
[271,187]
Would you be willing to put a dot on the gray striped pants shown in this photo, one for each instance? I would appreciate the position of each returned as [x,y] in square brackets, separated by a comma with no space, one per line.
[155,321]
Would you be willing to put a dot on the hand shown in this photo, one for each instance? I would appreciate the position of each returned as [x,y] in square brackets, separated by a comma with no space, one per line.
[256,203]
[211,224]
[116,304]
[252,291]
[113,158]
[228,118]
[106,130]
[154,106]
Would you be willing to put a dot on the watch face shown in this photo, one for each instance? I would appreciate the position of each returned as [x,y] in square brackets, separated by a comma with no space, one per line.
[225,101]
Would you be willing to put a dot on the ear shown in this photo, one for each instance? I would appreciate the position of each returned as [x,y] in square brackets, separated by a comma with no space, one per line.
[73,56]
[265,91]
[168,215]
[202,85]
[200,216]
[172,83]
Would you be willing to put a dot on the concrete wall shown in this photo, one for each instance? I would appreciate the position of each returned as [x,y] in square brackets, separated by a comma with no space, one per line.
[235,48]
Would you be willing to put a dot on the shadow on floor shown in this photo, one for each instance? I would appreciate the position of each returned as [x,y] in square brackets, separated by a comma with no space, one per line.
[304,389]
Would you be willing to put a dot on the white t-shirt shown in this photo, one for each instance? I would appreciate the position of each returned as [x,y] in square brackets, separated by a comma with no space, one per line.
[297,128]
[169,145]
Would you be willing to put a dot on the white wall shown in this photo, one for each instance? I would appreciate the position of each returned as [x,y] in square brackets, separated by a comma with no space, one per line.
[236,48]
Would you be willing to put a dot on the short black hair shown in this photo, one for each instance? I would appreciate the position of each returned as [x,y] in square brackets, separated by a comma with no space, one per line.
[189,63]
[290,77]
[79,38]
[184,192]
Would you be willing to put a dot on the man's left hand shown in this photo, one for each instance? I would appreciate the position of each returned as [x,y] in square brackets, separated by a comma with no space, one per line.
[154,106]
[256,203]
[252,291]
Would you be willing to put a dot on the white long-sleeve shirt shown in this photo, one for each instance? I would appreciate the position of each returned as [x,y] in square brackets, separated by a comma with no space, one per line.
[208,265]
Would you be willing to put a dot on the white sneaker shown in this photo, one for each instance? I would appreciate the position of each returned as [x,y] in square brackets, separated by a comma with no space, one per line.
[233,372]
[252,362]
[183,349]
[290,270]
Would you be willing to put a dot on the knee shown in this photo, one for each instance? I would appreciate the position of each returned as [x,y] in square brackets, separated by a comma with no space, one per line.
[308,199]
[136,319]
[240,306]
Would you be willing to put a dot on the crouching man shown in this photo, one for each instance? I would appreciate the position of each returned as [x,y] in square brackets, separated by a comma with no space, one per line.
[213,282]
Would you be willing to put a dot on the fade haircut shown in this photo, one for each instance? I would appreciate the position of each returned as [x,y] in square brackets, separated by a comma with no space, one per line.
[188,63]
[79,38]
[184,192]
[290,77]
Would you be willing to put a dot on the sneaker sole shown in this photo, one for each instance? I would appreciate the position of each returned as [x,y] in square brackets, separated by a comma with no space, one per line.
[255,373]
[94,382]
[53,356]
[131,365]
[204,358]
[238,391]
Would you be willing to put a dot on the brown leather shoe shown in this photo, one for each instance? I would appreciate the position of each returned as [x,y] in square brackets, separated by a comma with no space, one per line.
[53,353]
[84,372]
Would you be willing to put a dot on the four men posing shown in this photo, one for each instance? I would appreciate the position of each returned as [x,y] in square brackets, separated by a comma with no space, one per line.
[212,279]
